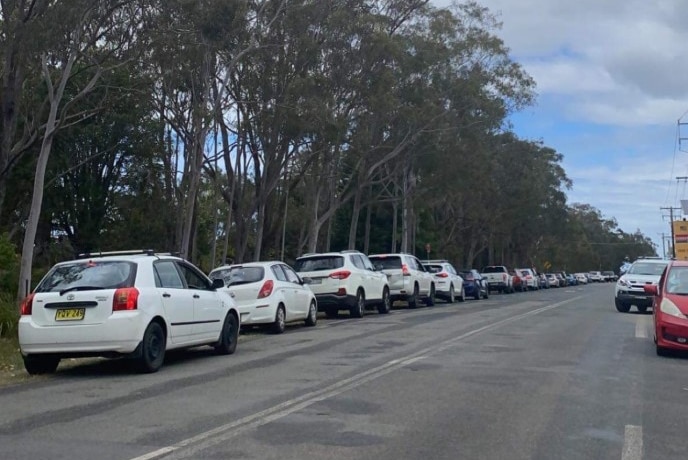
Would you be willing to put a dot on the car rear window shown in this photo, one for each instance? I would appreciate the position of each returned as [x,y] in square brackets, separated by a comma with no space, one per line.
[493,269]
[93,274]
[234,276]
[386,262]
[433,268]
[320,263]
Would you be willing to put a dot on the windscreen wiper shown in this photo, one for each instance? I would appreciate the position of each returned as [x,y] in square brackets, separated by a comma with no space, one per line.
[80,288]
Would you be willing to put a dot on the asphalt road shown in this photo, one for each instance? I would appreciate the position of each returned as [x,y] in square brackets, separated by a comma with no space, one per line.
[555,374]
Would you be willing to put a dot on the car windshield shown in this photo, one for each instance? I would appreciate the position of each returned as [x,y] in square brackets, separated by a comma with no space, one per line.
[493,269]
[320,263]
[88,274]
[239,275]
[677,281]
[647,268]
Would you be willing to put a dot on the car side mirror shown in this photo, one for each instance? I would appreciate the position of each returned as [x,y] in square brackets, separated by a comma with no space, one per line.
[651,289]
[218,283]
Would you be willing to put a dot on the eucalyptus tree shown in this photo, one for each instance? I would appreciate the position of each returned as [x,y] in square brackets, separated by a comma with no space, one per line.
[85,37]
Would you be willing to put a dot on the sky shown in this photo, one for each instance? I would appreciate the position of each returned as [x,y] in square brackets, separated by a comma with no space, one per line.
[612,85]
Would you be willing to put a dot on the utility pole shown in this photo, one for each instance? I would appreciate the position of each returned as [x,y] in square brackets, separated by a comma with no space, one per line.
[664,236]
[671,210]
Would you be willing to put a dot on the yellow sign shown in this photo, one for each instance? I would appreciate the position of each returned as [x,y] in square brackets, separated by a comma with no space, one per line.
[547,265]
[681,239]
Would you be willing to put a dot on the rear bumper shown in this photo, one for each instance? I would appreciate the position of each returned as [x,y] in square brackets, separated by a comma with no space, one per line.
[328,301]
[120,334]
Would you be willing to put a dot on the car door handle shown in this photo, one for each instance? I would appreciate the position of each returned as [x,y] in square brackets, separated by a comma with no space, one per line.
[196,296]
[165,294]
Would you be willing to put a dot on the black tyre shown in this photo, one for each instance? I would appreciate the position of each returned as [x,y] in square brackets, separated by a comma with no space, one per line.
[413,300]
[478,293]
[312,318]
[642,309]
[280,323]
[621,307]
[358,309]
[430,301]
[661,351]
[487,294]
[152,349]
[462,297]
[386,305]
[41,364]
[229,336]
[452,295]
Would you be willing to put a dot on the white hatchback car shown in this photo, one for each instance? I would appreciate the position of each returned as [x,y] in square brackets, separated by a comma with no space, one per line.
[409,281]
[448,283]
[344,280]
[129,303]
[268,293]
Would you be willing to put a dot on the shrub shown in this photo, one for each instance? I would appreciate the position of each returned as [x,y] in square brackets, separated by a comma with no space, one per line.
[9,315]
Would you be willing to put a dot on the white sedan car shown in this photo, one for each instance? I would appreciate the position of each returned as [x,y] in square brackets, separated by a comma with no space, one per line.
[269,293]
[136,304]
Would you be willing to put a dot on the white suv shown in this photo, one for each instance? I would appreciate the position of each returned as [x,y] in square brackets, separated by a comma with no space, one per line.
[408,279]
[448,283]
[344,280]
[630,288]
[129,303]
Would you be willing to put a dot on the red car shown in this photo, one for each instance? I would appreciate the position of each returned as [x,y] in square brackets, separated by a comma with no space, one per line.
[670,308]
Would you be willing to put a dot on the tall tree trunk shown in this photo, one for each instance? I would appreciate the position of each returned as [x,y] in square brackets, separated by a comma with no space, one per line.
[366,237]
[355,213]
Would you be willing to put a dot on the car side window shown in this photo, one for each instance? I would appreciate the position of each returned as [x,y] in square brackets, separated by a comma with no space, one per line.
[357,261]
[291,275]
[367,263]
[167,275]
[193,279]
[278,272]
[419,265]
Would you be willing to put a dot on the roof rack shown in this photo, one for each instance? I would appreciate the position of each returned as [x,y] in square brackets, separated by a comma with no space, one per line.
[131,252]
[437,261]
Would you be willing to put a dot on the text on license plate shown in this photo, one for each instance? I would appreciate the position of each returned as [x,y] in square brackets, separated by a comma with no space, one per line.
[316,281]
[69,314]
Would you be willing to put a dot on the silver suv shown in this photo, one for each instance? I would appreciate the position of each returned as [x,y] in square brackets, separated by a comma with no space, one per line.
[344,280]
[629,289]
[408,279]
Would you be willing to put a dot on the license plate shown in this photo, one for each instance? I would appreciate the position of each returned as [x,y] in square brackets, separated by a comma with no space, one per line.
[316,281]
[70,314]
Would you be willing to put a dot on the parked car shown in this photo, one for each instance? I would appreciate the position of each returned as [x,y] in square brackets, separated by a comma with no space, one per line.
[581,278]
[408,279]
[448,283]
[630,288]
[609,276]
[571,280]
[268,293]
[530,280]
[474,285]
[345,280]
[136,304]
[543,281]
[561,279]
[595,276]
[553,280]
[516,281]
[498,278]
[670,307]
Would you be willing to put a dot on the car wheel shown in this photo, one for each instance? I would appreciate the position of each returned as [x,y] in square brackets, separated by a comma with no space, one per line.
[462,297]
[41,364]
[229,336]
[152,348]
[430,301]
[386,305]
[478,293]
[452,295]
[487,294]
[661,351]
[312,318]
[621,307]
[413,300]
[358,309]
[280,323]
[642,309]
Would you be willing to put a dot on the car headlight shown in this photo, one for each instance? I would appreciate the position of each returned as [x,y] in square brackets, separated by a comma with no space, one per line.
[624,283]
[668,307]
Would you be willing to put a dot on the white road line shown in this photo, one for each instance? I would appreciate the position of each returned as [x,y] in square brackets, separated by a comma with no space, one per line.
[641,327]
[224,432]
[633,443]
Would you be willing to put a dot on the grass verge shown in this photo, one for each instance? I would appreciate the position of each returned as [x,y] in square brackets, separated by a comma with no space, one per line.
[11,365]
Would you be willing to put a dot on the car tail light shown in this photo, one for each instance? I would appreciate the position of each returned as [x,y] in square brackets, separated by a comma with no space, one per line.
[27,305]
[341,291]
[125,299]
[441,275]
[340,275]
[266,290]
[405,271]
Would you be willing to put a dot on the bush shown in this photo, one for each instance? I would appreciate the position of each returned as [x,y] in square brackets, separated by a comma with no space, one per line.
[9,315]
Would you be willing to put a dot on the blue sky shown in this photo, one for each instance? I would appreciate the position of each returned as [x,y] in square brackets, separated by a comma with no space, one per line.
[612,84]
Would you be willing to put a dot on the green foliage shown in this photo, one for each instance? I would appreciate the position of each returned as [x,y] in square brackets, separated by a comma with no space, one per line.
[9,315]
[9,263]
